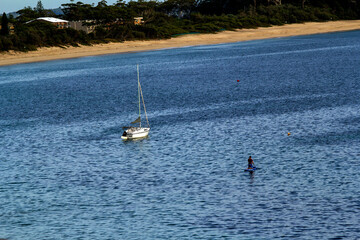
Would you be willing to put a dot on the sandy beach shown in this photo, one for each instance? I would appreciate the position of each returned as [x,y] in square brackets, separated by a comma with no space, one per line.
[53,53]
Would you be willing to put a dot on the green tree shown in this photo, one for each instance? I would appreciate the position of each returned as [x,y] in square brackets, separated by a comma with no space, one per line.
[179,8]
[27,14]
[40,8]
[120,3]
[4,25]
[78,11]
[144,9]
[102,3]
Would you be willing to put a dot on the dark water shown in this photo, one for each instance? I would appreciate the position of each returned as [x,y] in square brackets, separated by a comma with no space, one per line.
[65,173]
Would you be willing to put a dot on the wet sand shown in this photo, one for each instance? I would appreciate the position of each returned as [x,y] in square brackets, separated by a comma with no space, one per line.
[54,53]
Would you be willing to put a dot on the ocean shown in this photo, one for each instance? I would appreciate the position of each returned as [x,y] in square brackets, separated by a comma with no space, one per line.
[65,172]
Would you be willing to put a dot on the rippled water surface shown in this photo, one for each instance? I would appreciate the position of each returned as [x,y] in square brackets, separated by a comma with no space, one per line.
[65,173]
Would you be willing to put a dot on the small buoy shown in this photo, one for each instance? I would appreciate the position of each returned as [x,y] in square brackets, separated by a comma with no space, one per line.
[238,80]
[289,134]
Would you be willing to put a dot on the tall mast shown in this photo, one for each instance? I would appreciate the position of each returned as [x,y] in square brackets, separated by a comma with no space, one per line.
[142,97]
[139,89]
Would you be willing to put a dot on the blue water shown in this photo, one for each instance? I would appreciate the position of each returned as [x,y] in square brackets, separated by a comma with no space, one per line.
[65,173]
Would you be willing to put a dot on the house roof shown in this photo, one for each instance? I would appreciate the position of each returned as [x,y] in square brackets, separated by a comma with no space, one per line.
[51,19]
[48,19]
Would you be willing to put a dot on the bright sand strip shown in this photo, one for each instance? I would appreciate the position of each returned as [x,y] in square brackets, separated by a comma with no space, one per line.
[53,53]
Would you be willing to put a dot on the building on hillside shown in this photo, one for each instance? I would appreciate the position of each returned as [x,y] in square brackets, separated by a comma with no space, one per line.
[11,28]
[87,26]
[138,20]
[59,23]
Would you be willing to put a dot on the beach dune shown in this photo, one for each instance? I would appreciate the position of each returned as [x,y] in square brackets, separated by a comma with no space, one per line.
[54,53]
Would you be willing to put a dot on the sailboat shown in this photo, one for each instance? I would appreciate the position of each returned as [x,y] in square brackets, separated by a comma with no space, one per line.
[136,132]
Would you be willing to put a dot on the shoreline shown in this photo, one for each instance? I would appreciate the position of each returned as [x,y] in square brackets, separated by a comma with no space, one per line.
[288,30]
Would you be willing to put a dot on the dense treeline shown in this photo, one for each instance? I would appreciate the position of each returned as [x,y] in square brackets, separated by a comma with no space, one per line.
[164,19]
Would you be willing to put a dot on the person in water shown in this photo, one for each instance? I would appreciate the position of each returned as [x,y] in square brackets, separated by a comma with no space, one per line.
[250,163]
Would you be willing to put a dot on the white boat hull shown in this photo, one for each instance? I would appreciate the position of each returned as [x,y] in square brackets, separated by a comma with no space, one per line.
[135,133]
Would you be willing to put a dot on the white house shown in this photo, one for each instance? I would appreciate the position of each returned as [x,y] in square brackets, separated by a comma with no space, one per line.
[59,23]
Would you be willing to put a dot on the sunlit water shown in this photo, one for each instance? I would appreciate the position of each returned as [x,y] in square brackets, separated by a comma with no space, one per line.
[65,173]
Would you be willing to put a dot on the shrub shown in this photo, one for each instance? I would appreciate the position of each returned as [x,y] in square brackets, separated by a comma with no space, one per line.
[6,43]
